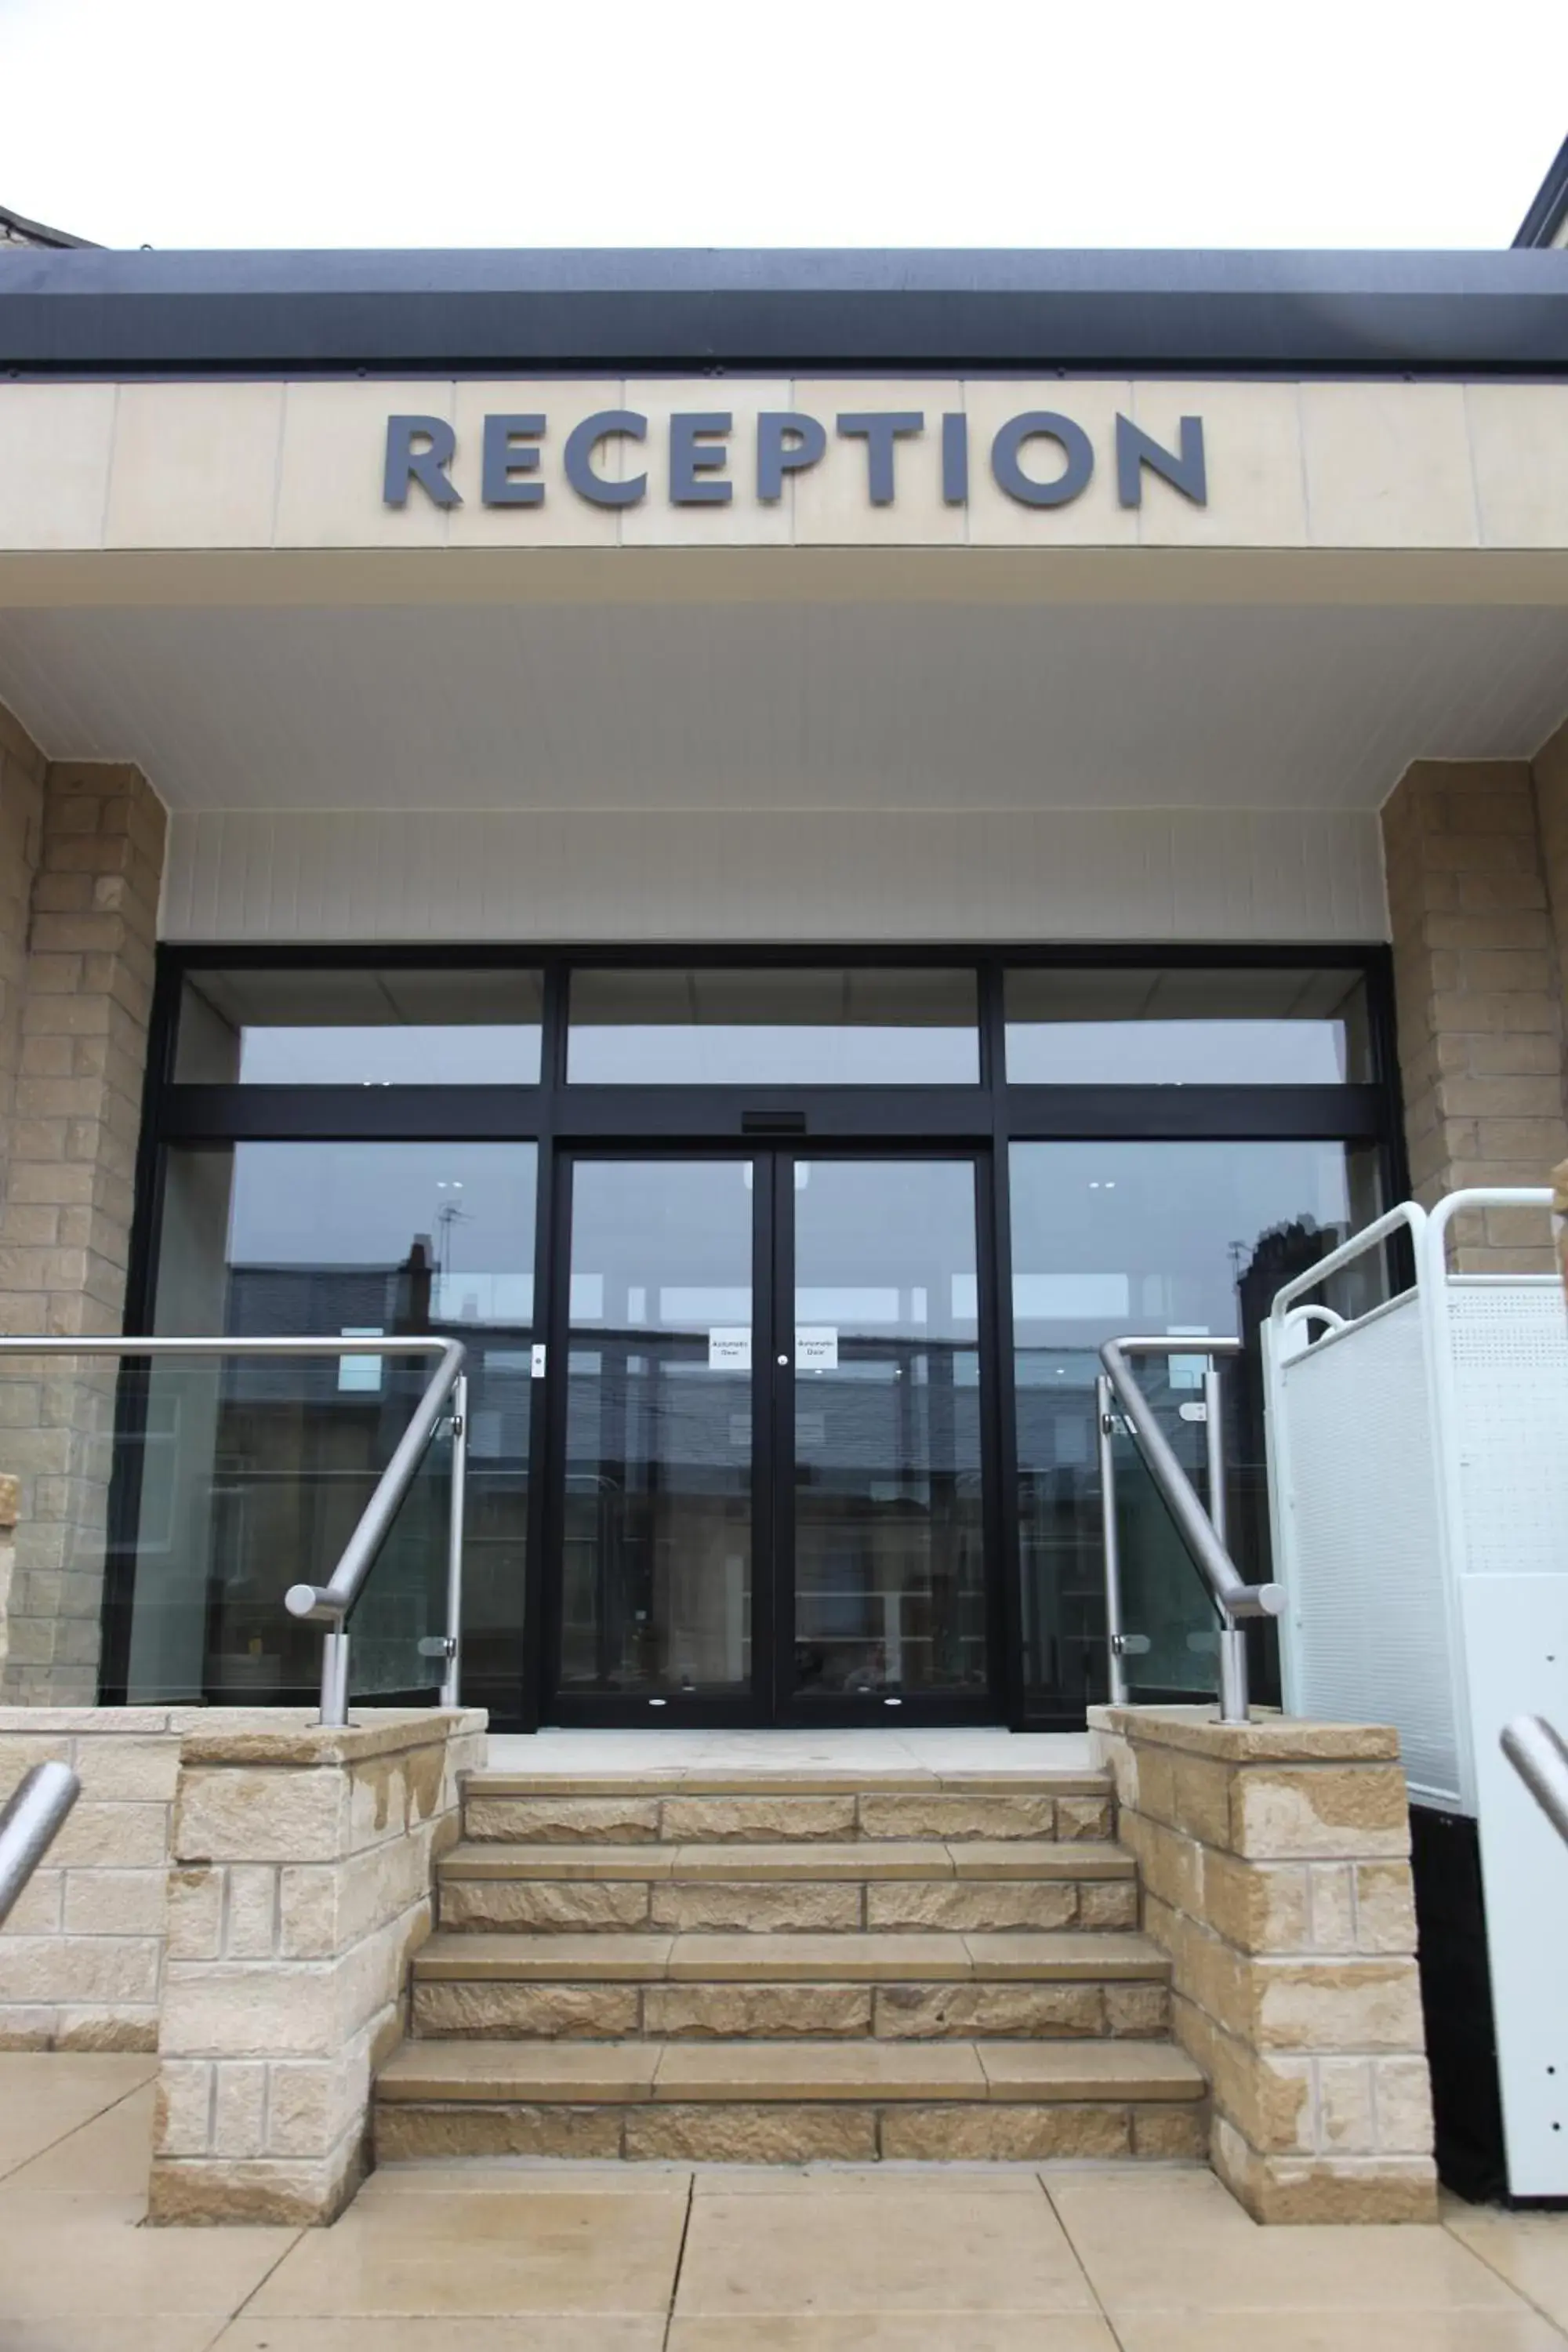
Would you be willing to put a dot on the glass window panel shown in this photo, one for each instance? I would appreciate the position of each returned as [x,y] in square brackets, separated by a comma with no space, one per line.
[310,1026]
[1113,1239]
[1172,1027]
[818,1027]
[236,1477]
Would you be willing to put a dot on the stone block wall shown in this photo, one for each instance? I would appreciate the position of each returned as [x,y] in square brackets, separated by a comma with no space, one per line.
[301,1869]
[1275,1864]
[65,1213]
[1478,997]
[22,770]
[1549,772]
[81,1956]
[81,857]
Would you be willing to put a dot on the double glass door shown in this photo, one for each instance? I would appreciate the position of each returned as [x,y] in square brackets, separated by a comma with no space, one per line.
[769,1492]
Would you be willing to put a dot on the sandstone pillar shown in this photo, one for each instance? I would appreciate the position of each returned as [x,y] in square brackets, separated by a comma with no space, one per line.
[1274,1857]
[300,1885]
[77,981]
[1479,992]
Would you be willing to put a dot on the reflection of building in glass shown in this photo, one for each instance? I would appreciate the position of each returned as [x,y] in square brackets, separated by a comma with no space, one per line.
[889,1541]
[253,1472]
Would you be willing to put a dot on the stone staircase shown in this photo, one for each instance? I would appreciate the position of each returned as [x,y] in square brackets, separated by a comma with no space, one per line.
[777,1969]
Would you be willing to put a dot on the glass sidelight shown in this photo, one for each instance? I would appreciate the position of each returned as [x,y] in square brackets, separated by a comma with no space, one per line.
[237,1476]
[769,1496]
[1167,1238]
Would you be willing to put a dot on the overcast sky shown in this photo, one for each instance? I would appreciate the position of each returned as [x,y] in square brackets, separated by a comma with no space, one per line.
[1108,122]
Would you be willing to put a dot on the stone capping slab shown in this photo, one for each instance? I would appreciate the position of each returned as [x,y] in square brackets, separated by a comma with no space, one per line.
[241,1739]
[131,1722]
[1269,1739]
[294,1732]
[705,1781]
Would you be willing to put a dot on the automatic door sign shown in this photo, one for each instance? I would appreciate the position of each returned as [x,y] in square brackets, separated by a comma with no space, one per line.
[816,1347]
[729,1348]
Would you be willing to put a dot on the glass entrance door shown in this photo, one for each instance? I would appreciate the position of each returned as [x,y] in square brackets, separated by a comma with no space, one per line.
[885,1500]
[659,1507]
[769,1491]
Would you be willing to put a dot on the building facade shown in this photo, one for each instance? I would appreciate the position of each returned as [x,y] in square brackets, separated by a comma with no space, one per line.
[781,845]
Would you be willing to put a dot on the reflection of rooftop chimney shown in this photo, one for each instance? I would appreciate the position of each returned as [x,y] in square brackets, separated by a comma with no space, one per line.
[415,1277]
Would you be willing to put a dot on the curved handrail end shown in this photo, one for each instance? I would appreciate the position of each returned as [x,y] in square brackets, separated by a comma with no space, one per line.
[310,1601]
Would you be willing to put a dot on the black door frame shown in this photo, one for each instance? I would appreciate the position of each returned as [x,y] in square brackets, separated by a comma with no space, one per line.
[985,1118]
[773,1700]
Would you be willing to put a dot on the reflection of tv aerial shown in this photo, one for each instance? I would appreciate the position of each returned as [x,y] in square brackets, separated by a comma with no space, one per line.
[1236,1252]
[449,1212]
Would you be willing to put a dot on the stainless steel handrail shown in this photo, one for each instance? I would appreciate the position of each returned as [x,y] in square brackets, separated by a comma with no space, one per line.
[1537,1752]
[1202,1531]
[29,1825]
[331,1603]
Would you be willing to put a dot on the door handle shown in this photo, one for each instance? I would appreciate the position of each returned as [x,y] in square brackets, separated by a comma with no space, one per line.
[784,1360]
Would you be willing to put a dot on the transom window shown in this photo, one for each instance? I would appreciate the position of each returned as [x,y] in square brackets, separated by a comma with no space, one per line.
[855,1026]
[303,1025]
[1177,1025]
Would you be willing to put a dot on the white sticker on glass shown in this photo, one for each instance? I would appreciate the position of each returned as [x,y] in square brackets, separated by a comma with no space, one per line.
[816,1347]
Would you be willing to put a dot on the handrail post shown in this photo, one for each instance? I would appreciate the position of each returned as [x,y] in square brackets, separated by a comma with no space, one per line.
[1234,1698]
[451,1682]
[1214,1445]
[335,1679]
[1110,1541]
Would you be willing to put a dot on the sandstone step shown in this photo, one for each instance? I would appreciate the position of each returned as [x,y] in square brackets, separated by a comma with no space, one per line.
[972,1886]
[739,1780]
[780,1968]
[897,1859]
[1061,1958]
[535,1808]
[774,2103]
[897,1988]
